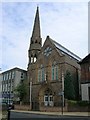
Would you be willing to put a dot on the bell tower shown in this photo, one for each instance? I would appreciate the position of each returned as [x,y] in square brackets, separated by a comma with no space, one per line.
[35,40]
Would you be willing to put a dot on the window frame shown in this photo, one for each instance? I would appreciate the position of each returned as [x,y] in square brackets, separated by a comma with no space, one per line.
[54,72]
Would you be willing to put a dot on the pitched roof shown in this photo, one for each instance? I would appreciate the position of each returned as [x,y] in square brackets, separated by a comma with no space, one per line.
[86,59]
[65,50]
[15,68]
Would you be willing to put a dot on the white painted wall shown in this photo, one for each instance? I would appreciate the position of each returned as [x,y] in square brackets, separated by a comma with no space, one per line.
[84,92]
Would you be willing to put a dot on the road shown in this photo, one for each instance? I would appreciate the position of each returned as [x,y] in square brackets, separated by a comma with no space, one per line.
[29,116]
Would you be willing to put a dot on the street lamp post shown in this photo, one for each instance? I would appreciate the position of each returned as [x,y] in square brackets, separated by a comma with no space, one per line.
[30,92]
[62,91]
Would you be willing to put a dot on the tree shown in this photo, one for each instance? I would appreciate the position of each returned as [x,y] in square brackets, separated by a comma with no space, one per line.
[76,86]
[21,90]
[68,86]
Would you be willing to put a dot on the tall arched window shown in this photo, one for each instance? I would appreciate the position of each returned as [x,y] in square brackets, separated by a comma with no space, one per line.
[54,71]
[41,74]
[35,58]
[31,58]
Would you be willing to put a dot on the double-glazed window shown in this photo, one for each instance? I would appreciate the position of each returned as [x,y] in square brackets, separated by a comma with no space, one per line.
[41,74]
[54,72]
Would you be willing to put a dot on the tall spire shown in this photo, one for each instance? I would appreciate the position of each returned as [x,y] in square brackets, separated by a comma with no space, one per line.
[36,27]
[36,41]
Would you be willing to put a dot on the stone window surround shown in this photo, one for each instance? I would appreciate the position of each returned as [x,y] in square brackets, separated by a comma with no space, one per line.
[54,71]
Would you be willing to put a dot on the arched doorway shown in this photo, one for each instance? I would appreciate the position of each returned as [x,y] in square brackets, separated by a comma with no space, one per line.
[48,97]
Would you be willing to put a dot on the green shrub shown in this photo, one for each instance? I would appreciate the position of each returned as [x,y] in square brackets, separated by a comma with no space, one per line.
[83,103]
[78,103]
[72,102]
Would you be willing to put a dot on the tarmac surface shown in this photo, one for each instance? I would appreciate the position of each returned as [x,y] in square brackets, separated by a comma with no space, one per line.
[55,113]
[36,115]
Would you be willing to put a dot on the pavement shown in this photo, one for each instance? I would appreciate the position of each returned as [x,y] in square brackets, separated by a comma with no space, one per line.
[55,113]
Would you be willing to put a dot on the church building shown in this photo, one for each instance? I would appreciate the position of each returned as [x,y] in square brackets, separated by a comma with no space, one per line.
[46,70]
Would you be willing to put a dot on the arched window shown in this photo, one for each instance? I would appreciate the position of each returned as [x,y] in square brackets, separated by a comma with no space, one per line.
[54,71]
[31,59]
[41,74]
[36,41]
[35,58]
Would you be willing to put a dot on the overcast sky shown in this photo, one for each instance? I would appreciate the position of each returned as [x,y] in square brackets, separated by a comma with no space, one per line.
[64,22]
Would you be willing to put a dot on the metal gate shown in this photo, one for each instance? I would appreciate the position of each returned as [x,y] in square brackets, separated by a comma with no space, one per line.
[35,106]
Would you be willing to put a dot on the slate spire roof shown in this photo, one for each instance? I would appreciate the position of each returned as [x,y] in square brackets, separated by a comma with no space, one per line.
[36,28]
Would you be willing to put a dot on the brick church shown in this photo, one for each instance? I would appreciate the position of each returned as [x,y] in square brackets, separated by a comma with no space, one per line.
[46,69]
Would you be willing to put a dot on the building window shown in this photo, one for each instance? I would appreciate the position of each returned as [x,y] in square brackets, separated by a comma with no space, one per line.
[9,75]
[9,85]
[22,75]
[47,51]
[6,87]
[13,74]
[35,59]
[3,87]
[31,59]
[4,76]
[54,72]
[41,74]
